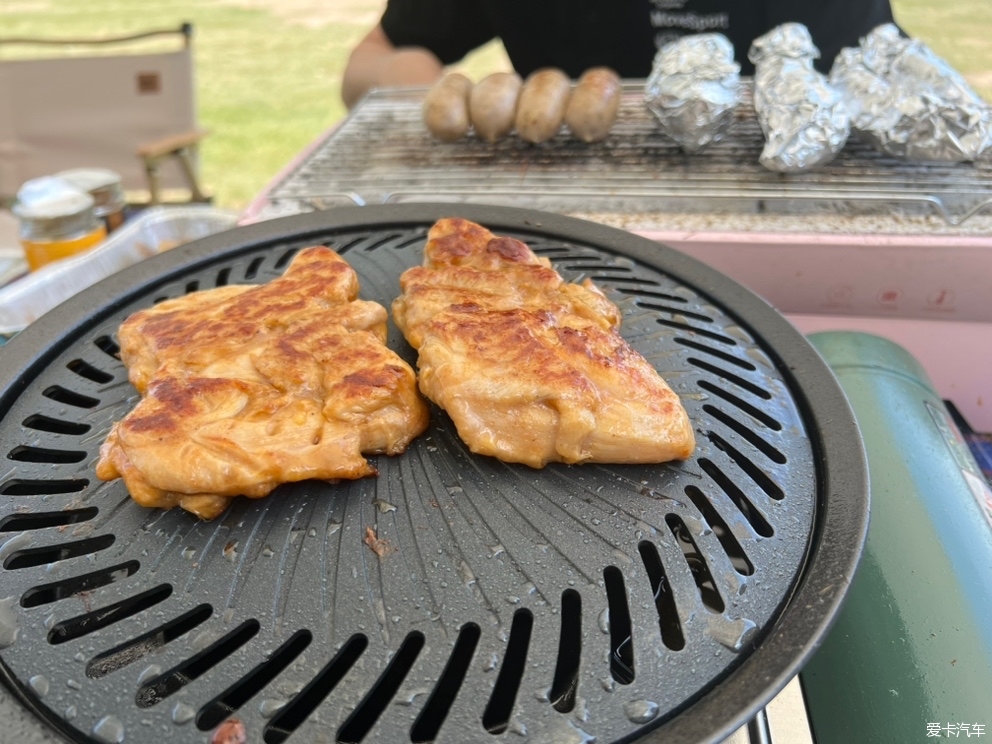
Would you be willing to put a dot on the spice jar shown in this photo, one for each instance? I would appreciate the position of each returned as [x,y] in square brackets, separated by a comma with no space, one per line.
[57,220]
[105,188]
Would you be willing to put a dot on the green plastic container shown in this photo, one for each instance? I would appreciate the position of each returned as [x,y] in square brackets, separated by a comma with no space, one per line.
[911,651]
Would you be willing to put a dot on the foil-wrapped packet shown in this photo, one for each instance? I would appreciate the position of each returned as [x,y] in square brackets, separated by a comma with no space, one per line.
[908,102]
[693,89]
[803,117]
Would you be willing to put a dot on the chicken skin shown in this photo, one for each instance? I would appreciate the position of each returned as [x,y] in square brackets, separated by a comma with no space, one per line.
[247,387]
[531,369]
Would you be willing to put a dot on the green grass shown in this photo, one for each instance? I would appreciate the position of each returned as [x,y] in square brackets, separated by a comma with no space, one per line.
[267,84]
[960,32]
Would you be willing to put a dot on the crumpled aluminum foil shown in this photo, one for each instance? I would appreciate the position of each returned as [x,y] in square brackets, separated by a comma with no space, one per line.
[693,89]
[803,117]
[908,102]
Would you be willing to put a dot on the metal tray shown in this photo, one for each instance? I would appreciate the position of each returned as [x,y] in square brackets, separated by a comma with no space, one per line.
[158,229]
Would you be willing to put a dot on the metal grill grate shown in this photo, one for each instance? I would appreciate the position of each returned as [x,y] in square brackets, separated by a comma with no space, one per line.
[565,604]
[382,153]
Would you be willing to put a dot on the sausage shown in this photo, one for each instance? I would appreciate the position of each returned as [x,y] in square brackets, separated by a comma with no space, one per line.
[543,101]
[592,109]
[446,107]
[493,104]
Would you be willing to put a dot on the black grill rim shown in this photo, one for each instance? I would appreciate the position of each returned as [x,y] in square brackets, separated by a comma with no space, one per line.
[842,507]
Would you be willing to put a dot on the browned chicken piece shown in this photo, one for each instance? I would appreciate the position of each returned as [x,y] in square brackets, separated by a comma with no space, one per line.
[530,368]
[247,387]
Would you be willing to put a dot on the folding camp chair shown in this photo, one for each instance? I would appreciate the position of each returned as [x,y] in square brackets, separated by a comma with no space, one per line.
[132,113]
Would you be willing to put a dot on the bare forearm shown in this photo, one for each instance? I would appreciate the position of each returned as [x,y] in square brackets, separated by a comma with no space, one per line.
[376,64]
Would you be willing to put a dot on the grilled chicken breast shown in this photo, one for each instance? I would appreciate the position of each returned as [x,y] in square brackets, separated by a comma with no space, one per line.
[530,368]
[247,387]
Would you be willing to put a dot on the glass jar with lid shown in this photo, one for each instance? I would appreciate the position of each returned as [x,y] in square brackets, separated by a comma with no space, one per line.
[56,220]
[105,187]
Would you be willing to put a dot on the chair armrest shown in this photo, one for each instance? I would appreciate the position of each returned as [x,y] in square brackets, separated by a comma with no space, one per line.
[166,145]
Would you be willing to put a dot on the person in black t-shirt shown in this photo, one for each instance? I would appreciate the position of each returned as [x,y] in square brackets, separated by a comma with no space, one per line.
[416,38]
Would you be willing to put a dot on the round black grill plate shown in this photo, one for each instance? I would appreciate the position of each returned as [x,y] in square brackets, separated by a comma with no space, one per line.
[570,604]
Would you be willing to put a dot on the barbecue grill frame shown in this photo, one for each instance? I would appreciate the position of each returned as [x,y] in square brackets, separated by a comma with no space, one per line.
[382,154]
[842,507]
